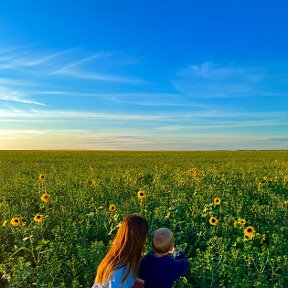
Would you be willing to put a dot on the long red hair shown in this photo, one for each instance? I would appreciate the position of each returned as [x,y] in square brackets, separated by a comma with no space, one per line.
[126,249]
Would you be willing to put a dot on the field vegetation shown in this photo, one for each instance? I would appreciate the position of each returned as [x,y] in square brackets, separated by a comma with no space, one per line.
[60,211]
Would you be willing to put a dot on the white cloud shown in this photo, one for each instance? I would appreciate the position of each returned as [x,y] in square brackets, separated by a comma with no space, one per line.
[212,71]
[83,60]
[149,116]
[14,96]
[26,58]
[210,80]
[97,76]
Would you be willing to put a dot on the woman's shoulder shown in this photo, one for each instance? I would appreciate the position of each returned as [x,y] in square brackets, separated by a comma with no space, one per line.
[115,280]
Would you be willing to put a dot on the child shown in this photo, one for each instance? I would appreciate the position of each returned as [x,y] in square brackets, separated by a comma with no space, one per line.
[157,268]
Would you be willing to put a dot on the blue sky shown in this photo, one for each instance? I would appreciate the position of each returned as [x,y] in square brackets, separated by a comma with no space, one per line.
[143,75]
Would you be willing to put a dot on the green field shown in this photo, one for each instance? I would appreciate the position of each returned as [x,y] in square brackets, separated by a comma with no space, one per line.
[71,193]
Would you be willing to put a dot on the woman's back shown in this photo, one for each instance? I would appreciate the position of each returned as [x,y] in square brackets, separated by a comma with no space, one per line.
[115,280]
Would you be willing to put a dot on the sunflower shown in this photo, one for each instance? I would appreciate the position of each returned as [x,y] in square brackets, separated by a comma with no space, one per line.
[241,221]
[192,172]
[141,194]
[93,182]
[42,177]
[15,221]
[217,201]
[38,218]
[260,184]
[213,221]
[44,197]
[112,207]
[182,181]
[249,231]
[265,178]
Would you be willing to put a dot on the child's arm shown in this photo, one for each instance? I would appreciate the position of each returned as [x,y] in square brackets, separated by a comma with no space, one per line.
[181,262]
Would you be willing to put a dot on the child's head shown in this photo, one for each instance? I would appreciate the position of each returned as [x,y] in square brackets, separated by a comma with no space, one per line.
[162,240]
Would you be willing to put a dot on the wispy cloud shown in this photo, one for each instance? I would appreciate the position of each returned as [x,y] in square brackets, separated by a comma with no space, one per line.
[85,68]
[40,60]
[199,117]
[95,69]
[14,82]
[63,114]
[13,96]
[25,70]
[153,99]
[236,124]
[210,80]
[84,75]
[137,99]
[25,58]
[82,61]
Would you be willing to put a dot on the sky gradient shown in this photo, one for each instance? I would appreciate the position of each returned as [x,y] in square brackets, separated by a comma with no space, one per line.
[144,75]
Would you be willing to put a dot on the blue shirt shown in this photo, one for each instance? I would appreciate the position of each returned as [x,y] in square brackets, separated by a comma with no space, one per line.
[161,272]
[115,280]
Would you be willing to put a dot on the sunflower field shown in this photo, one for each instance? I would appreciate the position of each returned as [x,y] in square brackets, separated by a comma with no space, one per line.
[60,210]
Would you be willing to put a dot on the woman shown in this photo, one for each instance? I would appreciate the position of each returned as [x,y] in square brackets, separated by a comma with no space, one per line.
[120,265]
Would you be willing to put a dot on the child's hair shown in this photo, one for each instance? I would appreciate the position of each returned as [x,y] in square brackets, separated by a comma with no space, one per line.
[162,240]
[126,249]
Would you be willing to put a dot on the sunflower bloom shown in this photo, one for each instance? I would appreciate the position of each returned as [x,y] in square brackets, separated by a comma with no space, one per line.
[217,201]
[38,218]
[249,231]
[213,221]
[44,197]
[241,221]
[141,194]
[112,207]
[15,221]
[93,182]
[260,184]
[42,177]
[182,181]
